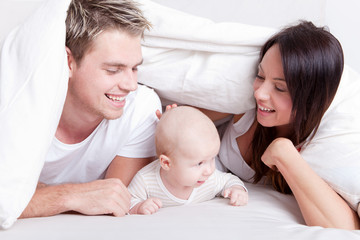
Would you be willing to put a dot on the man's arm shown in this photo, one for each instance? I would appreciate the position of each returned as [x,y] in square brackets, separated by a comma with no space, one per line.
[125,168]
[108,196]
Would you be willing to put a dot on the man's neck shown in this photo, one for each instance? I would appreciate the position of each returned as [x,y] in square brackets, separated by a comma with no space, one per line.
[75,126]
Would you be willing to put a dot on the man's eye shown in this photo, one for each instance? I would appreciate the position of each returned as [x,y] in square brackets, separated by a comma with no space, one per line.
[112,71]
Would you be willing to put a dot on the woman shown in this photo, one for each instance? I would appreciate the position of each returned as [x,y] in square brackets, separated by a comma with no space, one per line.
[298,75]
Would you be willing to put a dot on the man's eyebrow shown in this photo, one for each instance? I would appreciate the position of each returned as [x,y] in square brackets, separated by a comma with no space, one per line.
[260,68]
[119,64]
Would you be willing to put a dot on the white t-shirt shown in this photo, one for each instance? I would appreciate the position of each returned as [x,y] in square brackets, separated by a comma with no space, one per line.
[147,183]
[131,135]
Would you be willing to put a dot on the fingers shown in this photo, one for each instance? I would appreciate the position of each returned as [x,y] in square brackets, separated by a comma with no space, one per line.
[157,202]
[120,196]
[150,206]
[226,193]
[158,114]
[109,196]
[237,197]
[168,107]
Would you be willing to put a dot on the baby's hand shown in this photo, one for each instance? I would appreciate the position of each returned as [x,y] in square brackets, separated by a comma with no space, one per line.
[237,194]
[149,206]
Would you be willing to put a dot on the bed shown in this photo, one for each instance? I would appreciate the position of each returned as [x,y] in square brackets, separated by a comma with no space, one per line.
[268,215]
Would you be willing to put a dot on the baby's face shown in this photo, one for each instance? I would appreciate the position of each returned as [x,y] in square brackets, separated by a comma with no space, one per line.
[194,164]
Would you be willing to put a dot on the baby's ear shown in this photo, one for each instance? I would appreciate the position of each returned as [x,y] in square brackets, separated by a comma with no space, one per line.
[165,162]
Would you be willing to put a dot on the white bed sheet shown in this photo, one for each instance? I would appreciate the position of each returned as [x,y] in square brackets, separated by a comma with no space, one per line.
[268,215]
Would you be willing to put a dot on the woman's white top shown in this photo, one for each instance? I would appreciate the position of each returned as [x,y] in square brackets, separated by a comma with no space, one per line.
[230,158]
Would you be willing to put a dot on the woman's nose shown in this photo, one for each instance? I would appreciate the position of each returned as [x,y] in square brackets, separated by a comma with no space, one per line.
[262,91]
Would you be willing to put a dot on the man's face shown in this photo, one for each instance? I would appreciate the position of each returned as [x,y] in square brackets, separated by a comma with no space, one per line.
[98,86]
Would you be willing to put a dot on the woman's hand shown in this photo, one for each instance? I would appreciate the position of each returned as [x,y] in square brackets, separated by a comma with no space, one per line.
[279,150]
[168,107]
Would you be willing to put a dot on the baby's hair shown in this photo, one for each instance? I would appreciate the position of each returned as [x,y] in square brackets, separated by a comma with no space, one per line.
[182,124]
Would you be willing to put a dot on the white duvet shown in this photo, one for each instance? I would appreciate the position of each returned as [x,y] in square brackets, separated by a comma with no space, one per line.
[183,64]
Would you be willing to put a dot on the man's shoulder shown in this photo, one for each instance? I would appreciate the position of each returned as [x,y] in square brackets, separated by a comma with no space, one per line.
[145,93]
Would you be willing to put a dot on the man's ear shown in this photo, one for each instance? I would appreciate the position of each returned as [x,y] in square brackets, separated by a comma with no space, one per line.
[70,60]
[165,162]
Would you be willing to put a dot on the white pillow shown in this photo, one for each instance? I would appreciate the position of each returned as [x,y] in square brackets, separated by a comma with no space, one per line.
[33,85]
[334,152]
[192,60]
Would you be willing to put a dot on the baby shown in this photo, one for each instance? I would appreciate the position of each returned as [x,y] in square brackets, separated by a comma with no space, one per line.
[186,144]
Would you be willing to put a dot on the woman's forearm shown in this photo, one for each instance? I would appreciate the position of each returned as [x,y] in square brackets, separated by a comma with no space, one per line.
[319,203]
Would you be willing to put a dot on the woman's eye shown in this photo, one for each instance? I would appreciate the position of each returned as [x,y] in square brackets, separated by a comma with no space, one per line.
[280,88]
[260,77]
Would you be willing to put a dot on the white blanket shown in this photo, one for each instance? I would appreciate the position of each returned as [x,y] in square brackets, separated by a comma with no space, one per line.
[33,83]
[210,62]
[192,60]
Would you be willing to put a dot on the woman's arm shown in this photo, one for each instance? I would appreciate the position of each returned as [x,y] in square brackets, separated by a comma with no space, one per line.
[213,115]
[319,203]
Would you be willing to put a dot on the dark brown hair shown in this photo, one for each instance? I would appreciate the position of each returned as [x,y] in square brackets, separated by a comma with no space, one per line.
[313,62]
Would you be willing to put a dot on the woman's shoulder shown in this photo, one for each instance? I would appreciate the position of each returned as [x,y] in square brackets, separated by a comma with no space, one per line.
[247,116]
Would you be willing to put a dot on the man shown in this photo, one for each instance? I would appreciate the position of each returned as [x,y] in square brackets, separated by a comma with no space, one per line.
[107,125]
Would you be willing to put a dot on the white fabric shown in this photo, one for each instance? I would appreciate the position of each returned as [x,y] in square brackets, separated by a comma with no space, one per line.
[131,135]
[147,183]
[192,60]
[254,12]
[33,83]
[230,158]
[268,215]
[333,153]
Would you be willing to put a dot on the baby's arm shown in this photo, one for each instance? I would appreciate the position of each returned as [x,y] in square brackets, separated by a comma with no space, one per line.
[147,207]
[237,194]
[141,203]
[232,187]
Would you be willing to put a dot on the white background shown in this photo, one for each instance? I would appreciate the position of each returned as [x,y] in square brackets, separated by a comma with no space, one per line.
[342,17]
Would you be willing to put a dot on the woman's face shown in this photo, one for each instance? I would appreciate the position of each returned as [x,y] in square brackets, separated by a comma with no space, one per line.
[271,93]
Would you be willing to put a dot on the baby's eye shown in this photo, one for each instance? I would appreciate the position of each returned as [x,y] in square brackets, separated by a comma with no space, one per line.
[200,163]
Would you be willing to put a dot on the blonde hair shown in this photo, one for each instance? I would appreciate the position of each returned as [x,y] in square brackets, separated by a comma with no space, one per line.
[86,19]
